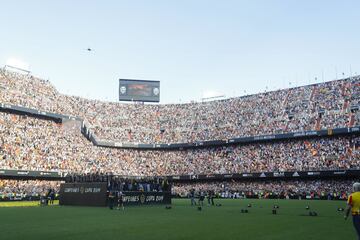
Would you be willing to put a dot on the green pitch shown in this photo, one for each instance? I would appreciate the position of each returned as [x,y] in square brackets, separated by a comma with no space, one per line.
[180,222]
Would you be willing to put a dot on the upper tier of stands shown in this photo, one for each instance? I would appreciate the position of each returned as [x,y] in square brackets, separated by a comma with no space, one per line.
[312,107]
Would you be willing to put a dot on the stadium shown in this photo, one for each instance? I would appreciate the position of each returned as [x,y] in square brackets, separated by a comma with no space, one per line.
[275,164]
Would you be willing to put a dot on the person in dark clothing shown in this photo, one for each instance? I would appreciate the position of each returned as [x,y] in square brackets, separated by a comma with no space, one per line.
[210,197]
[48,196]
[192,197]
[111,200]
[52,196]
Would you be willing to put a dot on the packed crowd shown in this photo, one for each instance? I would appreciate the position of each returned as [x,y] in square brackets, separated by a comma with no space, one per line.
[34,144]
[30,189]
[122,183]
[324,105]
[325,189]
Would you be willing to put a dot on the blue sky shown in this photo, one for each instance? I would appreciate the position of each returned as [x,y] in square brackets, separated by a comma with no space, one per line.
[191,46]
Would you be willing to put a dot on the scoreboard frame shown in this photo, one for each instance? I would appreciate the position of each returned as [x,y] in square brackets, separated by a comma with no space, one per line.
[136,90]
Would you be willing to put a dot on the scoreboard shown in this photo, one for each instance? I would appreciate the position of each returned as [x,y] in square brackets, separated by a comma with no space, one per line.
[139,90]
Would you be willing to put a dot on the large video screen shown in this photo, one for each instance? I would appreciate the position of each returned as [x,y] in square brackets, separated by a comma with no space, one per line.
[139,90]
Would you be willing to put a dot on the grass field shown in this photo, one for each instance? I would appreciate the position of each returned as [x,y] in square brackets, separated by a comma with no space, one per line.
[181,222]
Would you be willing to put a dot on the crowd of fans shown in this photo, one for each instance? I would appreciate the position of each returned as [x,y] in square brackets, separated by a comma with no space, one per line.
[122,183]
[305,189]
[323,105]
[324,189]
[30,189]
[34,144]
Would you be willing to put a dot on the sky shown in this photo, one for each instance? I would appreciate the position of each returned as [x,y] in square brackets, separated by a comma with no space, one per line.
[195,48]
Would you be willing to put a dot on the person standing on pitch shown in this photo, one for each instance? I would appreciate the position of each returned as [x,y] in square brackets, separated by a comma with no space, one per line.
[192,197]
[209,197]
[201,197]
[120,201]
[354,206]
[111,200]
[212,195]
